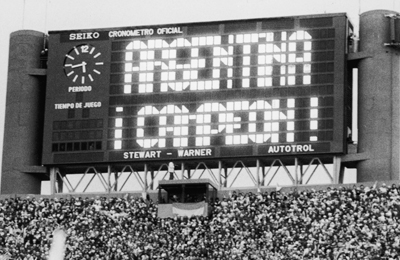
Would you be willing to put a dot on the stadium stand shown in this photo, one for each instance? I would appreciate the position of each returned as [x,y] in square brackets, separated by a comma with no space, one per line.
[335,223]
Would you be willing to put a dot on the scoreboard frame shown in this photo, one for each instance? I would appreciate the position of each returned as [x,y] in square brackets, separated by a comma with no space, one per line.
[223,89]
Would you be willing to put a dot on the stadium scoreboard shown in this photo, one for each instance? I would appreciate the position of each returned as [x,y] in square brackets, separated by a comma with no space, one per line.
[230,89]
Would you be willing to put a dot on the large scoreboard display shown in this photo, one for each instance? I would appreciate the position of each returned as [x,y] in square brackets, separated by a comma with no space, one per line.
[230,89]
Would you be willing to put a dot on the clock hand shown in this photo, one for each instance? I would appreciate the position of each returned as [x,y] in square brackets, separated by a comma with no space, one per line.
[78,65]
[82,64]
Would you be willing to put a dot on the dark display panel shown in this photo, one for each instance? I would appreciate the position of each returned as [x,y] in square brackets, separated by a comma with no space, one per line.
[229,89]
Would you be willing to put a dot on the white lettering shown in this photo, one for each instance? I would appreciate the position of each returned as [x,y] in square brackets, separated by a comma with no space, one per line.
[64,106]
[84,36]
[142,155]
[170,30]
[259,118]
[287,53]
[178,115]
[290,148]
[130,33]
[195,152]
[80,89]
[92,104]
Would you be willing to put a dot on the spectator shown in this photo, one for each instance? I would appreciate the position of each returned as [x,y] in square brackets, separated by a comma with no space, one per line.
[345,223]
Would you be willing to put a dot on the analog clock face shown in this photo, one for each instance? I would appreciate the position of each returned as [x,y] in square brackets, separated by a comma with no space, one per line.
[83,64]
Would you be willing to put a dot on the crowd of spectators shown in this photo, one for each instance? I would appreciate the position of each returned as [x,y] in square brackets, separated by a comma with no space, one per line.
[335,223]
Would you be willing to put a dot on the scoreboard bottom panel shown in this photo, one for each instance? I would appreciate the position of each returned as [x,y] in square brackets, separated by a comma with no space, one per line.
[240,151]
[220,152]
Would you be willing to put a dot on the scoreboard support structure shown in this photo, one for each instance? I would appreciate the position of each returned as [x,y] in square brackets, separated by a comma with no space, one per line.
[225,174]
[239,102]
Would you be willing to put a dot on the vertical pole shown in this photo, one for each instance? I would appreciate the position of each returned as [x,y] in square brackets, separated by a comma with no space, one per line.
[183,171]
[225,176]
[300,171]
[116,177]
[354,127]
[152,179]
[171,170]
[110,188]
[296,171]
[263,177]
[337,166]
[220,173]
[59,182]
[108,179]
[145,178]
[258,166]
[53,179]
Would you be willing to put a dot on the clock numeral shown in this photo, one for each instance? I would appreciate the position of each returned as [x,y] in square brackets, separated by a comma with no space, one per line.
[74,79]
[98,72]
[90,77]
[97,55]
[92,50]
[99,63]
[69,74]
[85,48]
[83,80]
